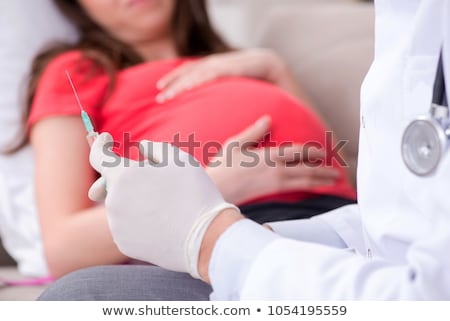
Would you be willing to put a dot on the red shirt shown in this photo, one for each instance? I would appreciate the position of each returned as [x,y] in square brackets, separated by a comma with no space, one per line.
[205,116]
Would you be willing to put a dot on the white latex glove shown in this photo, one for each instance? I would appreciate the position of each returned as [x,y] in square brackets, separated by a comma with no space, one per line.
[157,213]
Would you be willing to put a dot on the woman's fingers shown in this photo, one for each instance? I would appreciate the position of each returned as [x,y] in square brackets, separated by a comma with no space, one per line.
[185,78]
[304,183]
[294,153]
[176,81]
[305,177]
[165,81]
[305,170]
[185,82]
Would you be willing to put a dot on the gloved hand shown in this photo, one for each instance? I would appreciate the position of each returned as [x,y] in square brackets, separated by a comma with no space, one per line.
[158,209]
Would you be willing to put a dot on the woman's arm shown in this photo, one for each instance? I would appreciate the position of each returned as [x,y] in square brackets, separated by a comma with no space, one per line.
[74,232]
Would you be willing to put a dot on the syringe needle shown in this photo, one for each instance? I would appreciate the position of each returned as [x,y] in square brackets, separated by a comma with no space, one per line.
[92,134]
[74,90]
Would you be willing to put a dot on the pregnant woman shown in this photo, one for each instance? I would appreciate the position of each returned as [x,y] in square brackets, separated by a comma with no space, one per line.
[156,70]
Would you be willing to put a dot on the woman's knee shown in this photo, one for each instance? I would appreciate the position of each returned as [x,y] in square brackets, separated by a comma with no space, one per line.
[126,283]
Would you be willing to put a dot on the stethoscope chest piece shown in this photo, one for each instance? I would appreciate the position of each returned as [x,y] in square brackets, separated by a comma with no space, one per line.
[423,145]
[426,138]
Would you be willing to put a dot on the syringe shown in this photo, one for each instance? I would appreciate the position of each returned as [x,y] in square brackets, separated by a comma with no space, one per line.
[91,133]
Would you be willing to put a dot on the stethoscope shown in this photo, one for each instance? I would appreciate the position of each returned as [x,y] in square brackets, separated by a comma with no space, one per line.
[426,138]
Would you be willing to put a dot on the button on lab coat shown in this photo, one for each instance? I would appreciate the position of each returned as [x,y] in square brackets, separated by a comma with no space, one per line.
[400,228]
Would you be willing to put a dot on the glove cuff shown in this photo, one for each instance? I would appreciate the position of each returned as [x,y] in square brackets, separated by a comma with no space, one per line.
[196,234]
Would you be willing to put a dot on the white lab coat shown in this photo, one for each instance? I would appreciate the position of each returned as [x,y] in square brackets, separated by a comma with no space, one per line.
[405,219]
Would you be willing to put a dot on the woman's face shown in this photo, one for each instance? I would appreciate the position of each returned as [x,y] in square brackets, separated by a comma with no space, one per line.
[132,21]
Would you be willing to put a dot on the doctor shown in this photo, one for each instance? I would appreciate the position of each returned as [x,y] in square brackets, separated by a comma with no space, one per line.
[393,245]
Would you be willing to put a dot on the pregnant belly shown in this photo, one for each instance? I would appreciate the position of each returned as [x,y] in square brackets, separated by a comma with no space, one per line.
[225,108]
[200,121]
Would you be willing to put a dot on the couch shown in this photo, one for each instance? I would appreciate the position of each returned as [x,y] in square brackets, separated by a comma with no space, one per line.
[327,43]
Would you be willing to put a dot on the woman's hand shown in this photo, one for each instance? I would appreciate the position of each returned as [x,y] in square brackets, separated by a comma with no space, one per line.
[254,63]
[243,172]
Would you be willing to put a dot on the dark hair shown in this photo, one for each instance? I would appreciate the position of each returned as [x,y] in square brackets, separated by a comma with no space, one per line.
[193,35]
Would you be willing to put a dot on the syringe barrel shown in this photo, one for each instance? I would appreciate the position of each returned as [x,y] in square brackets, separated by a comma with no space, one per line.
[87,122]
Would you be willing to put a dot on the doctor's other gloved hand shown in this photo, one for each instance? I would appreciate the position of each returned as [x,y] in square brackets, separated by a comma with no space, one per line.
[160,208]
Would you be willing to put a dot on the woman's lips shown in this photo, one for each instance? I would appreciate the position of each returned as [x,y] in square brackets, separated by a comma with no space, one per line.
[135,3]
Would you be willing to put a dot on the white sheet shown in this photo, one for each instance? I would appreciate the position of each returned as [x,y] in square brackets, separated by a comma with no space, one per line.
[25,27]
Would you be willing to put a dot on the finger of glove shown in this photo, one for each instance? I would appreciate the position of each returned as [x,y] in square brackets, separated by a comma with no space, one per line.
[145,221]
[97,192]
[164,153]
[101,156]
